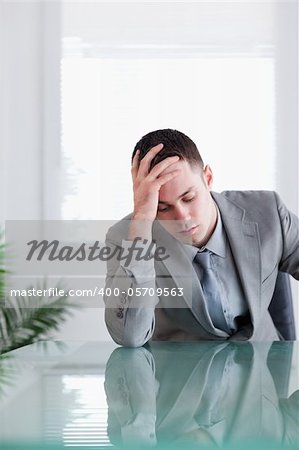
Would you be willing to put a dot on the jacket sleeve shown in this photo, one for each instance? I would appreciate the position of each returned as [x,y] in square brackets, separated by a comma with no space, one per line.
[290,233]
[131,388]
[130,297]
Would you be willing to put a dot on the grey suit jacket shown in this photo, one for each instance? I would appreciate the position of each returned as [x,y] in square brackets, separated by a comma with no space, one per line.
[264,238]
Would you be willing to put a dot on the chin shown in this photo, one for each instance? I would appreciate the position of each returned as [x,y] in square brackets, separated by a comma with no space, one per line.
[198,241]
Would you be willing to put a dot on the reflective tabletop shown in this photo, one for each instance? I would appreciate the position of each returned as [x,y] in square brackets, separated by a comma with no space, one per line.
[165,395]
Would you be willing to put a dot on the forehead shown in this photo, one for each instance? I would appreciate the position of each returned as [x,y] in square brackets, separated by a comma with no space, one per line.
[188,176]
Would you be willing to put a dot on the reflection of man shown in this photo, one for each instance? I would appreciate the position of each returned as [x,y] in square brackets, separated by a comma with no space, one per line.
[224,251]
[207,392]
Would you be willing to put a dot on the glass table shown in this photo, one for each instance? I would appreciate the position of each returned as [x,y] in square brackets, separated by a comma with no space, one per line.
[243,395]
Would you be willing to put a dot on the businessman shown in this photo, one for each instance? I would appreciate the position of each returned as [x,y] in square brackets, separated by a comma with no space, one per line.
[223,252]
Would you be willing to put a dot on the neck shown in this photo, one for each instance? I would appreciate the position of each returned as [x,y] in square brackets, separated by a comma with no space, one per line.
[211,229]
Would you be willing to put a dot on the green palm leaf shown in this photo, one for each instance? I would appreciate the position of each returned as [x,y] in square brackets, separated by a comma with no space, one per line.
[24,320]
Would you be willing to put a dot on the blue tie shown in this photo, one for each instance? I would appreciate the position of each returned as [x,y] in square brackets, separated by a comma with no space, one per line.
[211,291]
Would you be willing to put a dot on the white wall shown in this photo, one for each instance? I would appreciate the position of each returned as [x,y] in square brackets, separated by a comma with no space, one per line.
[21,110]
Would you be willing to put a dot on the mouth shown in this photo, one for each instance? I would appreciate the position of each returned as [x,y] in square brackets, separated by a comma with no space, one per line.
[189,232]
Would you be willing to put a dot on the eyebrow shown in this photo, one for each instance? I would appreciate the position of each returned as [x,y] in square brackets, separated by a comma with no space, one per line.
[180,196]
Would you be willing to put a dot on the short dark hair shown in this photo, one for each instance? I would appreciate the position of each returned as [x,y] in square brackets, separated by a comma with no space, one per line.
[175,143]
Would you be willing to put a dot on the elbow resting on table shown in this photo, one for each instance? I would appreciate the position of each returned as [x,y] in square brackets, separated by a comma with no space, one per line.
[122,337]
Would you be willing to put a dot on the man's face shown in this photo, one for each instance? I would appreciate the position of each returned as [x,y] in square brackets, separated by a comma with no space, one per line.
[186,205]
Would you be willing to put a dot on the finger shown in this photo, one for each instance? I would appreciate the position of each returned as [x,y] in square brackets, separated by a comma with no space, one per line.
[146,161]
[161,166]
[163,179]
[135,164]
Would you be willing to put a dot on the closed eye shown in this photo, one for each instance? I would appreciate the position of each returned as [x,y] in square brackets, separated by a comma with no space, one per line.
[185,200]
[166,208]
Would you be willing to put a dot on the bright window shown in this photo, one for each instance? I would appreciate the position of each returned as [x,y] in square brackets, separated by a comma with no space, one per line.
[226,104]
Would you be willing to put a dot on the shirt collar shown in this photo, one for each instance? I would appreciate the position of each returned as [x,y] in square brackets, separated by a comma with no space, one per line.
[216,244]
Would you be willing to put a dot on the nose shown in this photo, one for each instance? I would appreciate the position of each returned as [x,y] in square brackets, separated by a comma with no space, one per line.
[182,213]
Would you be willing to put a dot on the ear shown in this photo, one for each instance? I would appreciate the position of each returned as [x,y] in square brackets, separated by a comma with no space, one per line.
[208,176]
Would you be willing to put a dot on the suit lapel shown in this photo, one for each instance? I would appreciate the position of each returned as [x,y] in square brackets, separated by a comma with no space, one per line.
[182,272]
[176,263]
[243,237]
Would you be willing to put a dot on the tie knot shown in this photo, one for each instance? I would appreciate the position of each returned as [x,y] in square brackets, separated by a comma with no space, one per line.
[204,259]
